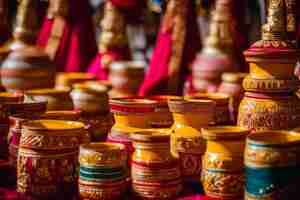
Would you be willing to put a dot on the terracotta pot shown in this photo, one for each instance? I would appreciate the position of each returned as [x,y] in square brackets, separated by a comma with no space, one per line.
[222,115]
[186,140]
[126,77]
[57,99]
[90,99]
[232,86]
[223,170]
[67,79]
[47,160]
[103,171]
[272,165]
[268,111]
[26,69]
[155,172]
[130,114]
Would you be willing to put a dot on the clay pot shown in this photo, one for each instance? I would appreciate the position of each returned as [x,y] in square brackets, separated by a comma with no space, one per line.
[268,111]
[155,172]
[103,171]
[26,69]
[186,140]
[48,155]
[90,99]
[272,165]
[222,115]
[131,115]
[232,86]
[57,99]
[67,79]
[101,83]
[223,166]
[126,77]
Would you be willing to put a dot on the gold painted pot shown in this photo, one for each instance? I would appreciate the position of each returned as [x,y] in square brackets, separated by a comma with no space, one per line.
[222,115]
[126,77]
[57,99]
[155,172]
[131,115]
[47,159]
[186,141]
[90,98]
[66,80]
[272,161]
[223,166]
[268,111]
[29,68]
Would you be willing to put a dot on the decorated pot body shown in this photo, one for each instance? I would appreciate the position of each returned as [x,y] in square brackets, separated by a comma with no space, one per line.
[126,78]
[47,159]
[66,80]
[130,114]
[27,69]
[222,114]
[57,99]
[272,166]
[103,171]
[223,170]
[155,172]
[186,141]
[268,112]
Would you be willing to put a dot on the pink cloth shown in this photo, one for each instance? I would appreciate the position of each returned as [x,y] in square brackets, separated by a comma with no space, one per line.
[78,44]
[156,80]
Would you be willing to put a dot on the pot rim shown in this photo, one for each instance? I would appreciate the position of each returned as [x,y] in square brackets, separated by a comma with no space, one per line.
[61,113]
[102,147]
[97,89]
[47,91]
[274,138]
[7,97]
[224,132]
[183,105]
[75,76]
[150,136]
[218,97]
[53,125]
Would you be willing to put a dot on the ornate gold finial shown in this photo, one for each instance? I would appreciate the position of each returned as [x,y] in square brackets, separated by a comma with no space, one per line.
[219,35]
[113,28]
[26,22]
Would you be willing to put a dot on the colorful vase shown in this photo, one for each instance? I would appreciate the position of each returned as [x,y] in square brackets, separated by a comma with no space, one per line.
[272,165]
[155,172]
[103,171]
[186,139]
[57,99]
[222,114]
[66,80]
[223,167]
[47,160]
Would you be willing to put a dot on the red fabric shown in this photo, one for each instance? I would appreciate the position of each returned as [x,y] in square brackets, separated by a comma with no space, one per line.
[78,44]
[116,54]
[125,3]
[156,79]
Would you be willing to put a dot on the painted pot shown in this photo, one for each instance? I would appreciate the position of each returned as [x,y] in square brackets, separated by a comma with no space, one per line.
[90,99]
[222,114]
[126,77]
[66,80]
[26,69]
[103,171]
[130,114]
[268,111]
[47,159]
[232,85]
[272,165]
[223,166]
[155,172]
[186,141]
[57,99]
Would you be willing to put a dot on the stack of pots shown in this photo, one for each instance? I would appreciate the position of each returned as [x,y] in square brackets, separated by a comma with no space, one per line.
[126,77]
[186,139]
[66,80]
[57,99]
[103,171]
[155,172]
[48,158]
[232,85]
[223,166]
[92,102]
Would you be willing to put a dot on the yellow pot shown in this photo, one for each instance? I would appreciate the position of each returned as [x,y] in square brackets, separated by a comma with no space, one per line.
[222,173]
